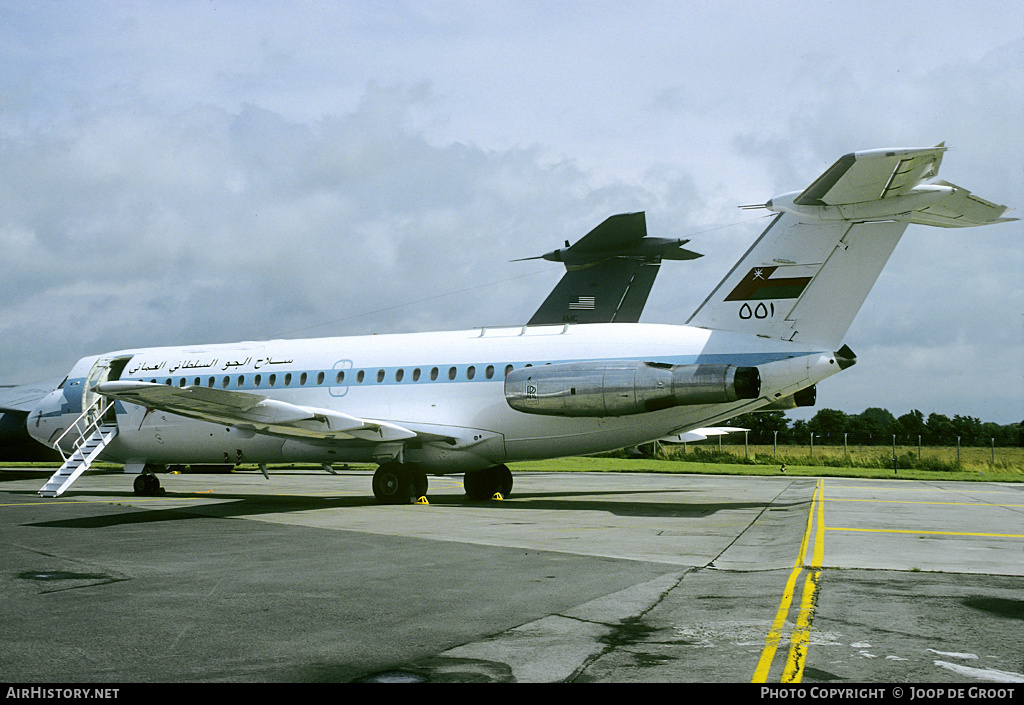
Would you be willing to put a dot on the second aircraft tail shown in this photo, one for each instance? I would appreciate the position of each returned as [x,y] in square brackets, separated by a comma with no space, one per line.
[809,272]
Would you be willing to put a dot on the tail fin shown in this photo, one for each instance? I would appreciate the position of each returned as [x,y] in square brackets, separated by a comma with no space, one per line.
[609,273]
[809,273]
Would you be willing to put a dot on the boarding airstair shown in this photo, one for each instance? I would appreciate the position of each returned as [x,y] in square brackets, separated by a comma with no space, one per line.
[92,432]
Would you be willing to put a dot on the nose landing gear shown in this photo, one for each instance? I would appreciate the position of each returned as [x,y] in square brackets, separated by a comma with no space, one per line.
[147,484]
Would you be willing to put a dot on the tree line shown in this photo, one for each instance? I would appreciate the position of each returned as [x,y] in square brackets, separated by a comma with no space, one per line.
[874,426]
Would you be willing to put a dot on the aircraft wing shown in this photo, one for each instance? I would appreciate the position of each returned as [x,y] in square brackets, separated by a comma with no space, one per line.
[254,412]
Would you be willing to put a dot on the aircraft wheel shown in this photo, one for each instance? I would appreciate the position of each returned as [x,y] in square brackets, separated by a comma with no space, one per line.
[393,484]
[483,484]
[477,484]
[419,484]
[502,479]
[147,484]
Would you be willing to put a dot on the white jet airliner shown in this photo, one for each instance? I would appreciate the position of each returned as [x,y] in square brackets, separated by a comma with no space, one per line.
[472,401]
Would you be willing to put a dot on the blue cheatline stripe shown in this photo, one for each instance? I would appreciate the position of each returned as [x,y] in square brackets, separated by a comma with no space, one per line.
[389,375]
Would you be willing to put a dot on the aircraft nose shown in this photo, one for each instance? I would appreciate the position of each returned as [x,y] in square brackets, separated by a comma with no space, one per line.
[44,415]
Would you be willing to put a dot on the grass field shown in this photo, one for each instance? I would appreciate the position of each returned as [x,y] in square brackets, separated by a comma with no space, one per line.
[974,457]
[677,462]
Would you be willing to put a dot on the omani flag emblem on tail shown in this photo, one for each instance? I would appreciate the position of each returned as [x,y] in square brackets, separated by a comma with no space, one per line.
[762,283]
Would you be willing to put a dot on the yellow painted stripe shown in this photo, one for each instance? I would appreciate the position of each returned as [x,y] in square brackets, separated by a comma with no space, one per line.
[801,637]
[819,539]
[774,636]
[46,503]
[935,533]
[799,640]
[775,633]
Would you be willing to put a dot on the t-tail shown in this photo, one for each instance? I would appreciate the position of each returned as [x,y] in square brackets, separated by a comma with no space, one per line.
[809,272]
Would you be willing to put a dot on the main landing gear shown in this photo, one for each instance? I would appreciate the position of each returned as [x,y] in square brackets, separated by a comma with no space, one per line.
[488,483]
[398,483]
[401,483]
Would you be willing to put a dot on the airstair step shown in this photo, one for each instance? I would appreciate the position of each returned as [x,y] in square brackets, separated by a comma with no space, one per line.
[88,449]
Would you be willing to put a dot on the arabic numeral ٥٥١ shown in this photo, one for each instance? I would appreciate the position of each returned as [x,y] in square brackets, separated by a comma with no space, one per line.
[759,311]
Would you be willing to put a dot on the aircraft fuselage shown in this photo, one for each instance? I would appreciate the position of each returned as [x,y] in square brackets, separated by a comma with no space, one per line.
[446,387]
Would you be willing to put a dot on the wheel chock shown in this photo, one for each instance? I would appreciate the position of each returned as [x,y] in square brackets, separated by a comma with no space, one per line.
[422,500]
[497,496]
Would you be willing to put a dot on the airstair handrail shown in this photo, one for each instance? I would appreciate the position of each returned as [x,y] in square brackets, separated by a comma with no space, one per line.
[92,424]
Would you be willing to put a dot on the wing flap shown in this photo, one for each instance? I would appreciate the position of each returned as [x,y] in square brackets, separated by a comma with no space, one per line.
[253,411]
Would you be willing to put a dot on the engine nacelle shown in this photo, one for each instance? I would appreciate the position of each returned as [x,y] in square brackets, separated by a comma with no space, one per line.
[625,387]
[805,397]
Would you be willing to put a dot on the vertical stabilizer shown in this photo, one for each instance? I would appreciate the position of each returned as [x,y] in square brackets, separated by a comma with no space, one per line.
[609,273]
[809,272]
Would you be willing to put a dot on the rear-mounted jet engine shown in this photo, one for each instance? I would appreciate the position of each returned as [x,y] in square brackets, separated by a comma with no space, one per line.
[624,387]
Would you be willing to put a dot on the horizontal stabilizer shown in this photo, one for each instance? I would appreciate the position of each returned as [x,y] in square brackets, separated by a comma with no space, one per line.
[872,175]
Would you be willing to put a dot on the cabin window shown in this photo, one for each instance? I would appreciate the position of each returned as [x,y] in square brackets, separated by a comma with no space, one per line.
[341,377]
[288,379]
[272,380]
[399,375]
[508,368]
[433,374]
[241,381]
[181,382]
[380,375]
[470,372]
[359,376]
[302,379]
[416,375]
[256,380]
[452,372]
[211,382]
[319,378]
[489,372]
[225,382]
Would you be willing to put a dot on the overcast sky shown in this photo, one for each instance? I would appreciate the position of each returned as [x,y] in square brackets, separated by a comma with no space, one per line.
[190,172]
